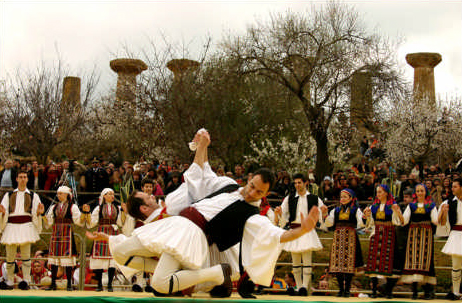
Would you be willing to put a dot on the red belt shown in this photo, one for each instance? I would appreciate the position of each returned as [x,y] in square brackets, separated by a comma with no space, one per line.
[192,214]
[19,219]
[457,227]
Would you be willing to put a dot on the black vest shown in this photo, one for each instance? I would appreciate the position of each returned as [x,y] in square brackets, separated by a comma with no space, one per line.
[452,211]
[293,201]
[351,218]
[227,227]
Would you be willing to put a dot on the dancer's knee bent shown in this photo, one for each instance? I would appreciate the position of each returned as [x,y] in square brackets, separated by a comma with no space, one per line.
[161,282]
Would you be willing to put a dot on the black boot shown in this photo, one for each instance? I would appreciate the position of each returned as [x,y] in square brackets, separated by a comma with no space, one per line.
[245,287]
[348,278]
[69,278]
[110,277]
[99,278]
[375,282]
[415,294]
[54,273]
[341,285]
[389,287]
[429,295]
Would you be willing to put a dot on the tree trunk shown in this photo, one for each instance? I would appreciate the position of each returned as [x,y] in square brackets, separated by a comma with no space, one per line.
[323,165]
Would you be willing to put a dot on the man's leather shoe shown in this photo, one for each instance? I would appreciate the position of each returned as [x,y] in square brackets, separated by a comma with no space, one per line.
[51,287]
[224,290]
[137,288]
[23,285]
[302,292]
[245,287]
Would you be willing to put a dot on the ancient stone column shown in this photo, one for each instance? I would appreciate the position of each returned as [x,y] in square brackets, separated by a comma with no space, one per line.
[424,78]
[127,70]
[180,66]
[361,110]
[361,100]
[71,93]
[301,66]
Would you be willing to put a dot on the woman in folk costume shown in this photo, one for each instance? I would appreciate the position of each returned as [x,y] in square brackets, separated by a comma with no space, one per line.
[384,214]
[108,217]
[345,254]
[422,217]
[62,252]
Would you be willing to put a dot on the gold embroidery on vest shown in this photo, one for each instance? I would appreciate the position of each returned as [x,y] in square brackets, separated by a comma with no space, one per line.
[27,202]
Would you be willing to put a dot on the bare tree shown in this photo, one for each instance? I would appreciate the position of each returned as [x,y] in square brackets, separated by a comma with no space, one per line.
[313,57]
[35,120]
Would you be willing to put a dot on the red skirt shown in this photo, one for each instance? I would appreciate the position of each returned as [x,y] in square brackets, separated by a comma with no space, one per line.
[382,249]
[101,248]
[62,241]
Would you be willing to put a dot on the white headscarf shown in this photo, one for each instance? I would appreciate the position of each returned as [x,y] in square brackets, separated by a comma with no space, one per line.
[64,189]
[103,193]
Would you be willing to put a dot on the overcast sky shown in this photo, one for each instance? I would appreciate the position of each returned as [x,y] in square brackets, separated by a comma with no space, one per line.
[87,34]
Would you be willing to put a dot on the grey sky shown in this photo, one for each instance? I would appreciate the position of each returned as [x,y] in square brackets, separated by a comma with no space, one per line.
[87,34]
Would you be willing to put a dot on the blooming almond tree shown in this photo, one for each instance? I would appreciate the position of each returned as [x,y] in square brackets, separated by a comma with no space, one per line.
[420,131]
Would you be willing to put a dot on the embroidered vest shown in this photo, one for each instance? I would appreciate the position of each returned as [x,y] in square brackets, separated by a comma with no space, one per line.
[27,201]
[227,227]
[452,211]
[65,217]
[293,202]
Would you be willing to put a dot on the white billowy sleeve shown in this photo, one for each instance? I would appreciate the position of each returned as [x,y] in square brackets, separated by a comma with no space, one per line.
[271,216]
[330,219]
[434,216]
[284,212]
[321,220]
[119,217]
[443,230]
[94,217]
[447,225]
[212,182]
[4,217]
[198,184]
[395,219]
[75,211]
[186,193]
[407,215]
[129,225]
[50,216]
[261,247]
[359,218]
[37,220]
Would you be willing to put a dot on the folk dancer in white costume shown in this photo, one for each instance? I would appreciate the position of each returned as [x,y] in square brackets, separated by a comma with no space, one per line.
[182,242]
[301,249]
[450,215]
[21,221]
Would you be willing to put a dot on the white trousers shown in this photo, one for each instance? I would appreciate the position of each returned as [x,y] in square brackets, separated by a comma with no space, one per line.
[170,278]
[298,268]
[133,254]
[456,273]
[11,250]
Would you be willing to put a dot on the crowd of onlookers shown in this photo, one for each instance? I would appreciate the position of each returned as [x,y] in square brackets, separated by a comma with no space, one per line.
[94,175]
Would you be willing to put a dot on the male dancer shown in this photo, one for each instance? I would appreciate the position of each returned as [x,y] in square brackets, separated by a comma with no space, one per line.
[450,214]
[21,221]
[225,219]
[301,249]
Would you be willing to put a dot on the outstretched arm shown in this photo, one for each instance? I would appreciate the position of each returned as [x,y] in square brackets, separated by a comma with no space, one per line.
[307,224]
[202,139]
